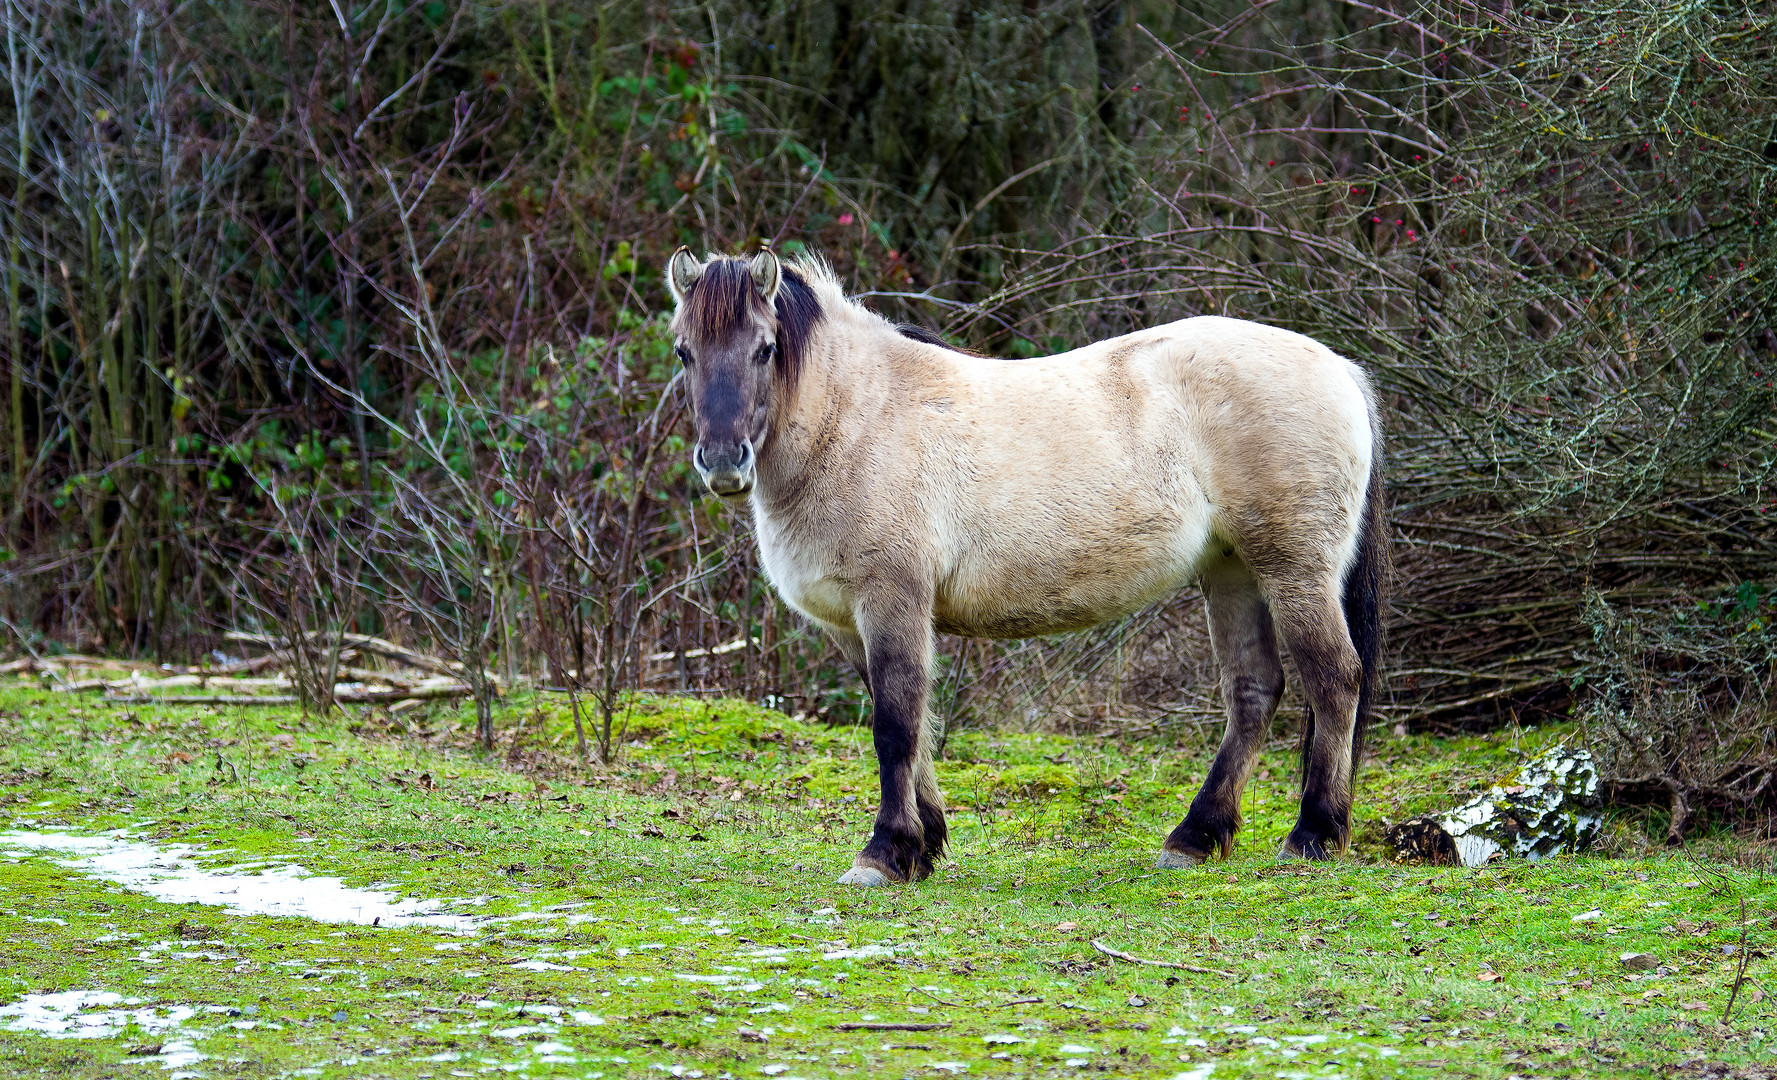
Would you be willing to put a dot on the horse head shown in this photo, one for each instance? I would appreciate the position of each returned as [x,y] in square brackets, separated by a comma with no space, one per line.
[726,332]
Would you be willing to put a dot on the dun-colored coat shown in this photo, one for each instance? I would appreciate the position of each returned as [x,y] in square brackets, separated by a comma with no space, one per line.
[900,487]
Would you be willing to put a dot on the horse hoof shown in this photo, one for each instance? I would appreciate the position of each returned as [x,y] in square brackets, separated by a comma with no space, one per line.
[1309,851]
[1177,860]
[865,877]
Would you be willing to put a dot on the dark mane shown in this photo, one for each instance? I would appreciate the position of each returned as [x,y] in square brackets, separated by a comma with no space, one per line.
[724,294]
[930,337]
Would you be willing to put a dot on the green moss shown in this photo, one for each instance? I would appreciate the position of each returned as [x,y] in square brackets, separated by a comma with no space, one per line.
[1036,781]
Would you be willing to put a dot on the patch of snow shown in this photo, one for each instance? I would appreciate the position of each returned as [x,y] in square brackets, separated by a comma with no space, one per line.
[860,953]
[60,1016]
[541,965]
[170,875]
[522,1030]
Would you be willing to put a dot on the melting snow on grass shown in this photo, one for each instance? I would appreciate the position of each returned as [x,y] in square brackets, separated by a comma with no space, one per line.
[65,1016]
[60,1016]
[171,875]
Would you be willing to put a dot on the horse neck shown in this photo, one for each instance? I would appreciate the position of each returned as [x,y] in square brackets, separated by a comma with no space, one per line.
[821,420]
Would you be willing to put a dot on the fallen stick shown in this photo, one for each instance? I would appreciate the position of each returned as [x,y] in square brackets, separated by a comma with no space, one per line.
[1098,943]
[934,997]
[692,654]
[202,699]
[248,667]
[388,650]
[366,675]
[883,1025]
[1739,976]
[75,660]
[367,697]
[201,681]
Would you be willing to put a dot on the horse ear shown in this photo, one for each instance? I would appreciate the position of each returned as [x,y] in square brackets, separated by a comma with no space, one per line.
[682,272]
[767,274]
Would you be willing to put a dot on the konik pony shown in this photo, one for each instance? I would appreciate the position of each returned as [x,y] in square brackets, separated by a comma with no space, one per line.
[901,487]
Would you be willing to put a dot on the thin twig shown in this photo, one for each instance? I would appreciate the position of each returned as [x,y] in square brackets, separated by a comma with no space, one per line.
[1740,975]
[934,997]
[1098,943]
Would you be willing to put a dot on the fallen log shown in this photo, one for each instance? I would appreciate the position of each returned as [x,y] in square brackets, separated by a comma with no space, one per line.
[376,646]
[360,697]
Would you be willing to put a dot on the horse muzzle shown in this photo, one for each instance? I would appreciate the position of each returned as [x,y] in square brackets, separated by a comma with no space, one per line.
[728,472]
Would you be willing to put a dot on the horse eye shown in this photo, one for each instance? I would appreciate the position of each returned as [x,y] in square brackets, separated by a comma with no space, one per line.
[765,351]
[684,354]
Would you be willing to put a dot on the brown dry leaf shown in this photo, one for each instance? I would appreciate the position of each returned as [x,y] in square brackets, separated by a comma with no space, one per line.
[1490,976]
[1067,926]
[1693,1006]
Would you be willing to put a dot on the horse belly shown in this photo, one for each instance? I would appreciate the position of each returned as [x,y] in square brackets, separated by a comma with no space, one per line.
[1063,579]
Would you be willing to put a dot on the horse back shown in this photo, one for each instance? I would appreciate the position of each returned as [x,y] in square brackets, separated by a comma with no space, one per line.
[1068,490]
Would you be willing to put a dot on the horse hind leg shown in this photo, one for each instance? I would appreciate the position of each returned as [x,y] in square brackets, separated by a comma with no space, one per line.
[1252,682]
[1313,626]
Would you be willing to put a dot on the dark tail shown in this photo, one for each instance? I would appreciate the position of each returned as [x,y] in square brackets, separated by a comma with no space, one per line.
[1365,585]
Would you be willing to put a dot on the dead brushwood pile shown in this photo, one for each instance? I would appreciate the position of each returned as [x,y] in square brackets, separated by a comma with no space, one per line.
[324,320]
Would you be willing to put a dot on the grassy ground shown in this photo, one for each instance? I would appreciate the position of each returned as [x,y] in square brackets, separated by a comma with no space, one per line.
[680,916]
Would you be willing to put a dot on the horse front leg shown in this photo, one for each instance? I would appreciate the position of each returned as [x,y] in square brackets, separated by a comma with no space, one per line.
[896,626]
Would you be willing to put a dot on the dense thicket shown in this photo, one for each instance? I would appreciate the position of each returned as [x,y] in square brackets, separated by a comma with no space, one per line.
[349,317]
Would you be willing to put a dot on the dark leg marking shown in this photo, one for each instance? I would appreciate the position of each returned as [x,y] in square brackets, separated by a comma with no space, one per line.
[895,623]
[1313,626]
